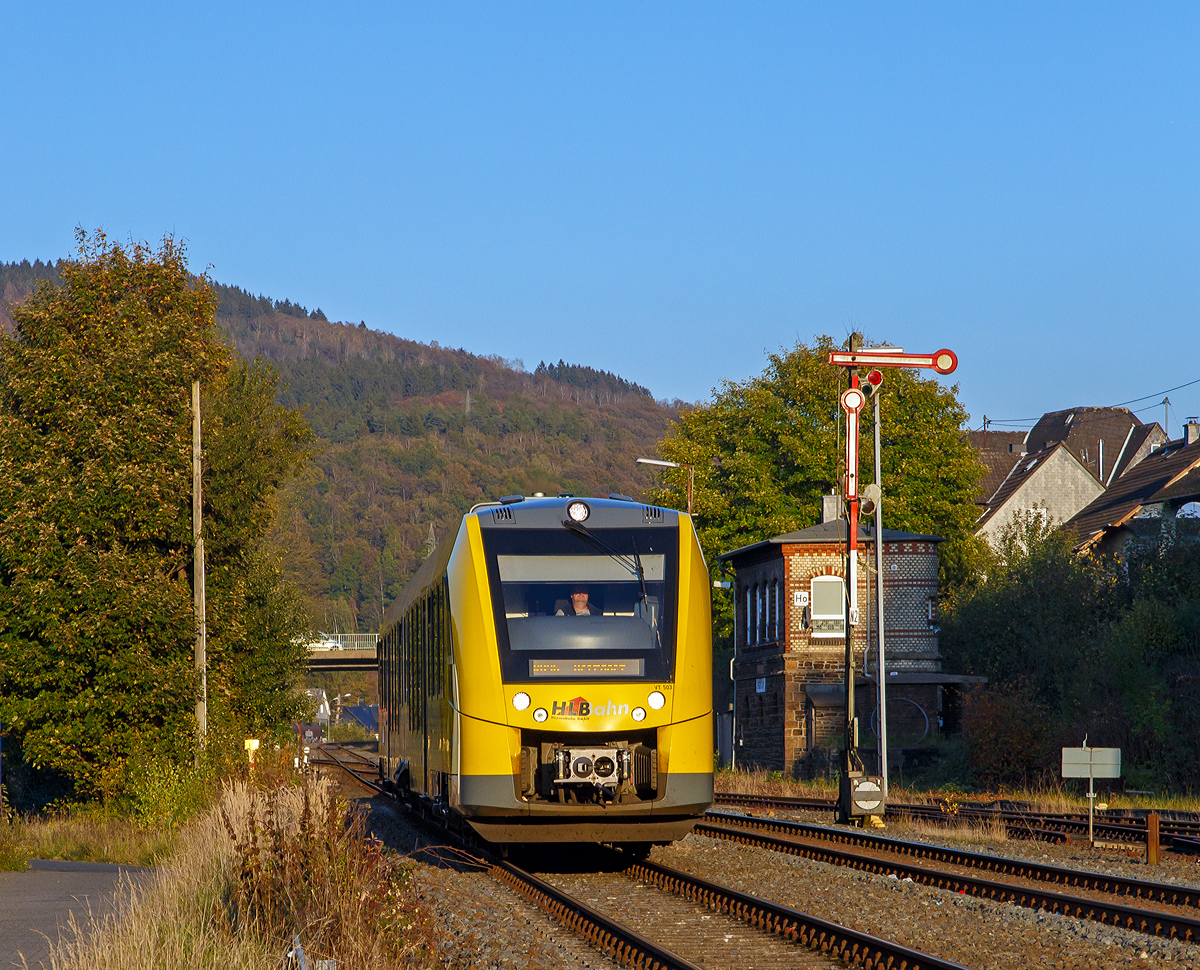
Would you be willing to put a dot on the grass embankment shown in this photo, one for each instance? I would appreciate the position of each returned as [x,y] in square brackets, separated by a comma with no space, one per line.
[249,874]
[84,837]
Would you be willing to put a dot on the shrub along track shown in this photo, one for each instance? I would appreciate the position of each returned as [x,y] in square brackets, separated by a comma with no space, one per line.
[708,936]
[883,856]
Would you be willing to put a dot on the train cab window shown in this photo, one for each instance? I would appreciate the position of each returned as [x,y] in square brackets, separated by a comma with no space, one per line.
[565,609]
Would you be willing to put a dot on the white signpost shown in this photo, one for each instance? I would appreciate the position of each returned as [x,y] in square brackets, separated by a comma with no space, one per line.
[1091,763]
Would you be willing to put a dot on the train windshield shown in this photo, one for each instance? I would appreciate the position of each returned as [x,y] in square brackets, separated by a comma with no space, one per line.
[571,605]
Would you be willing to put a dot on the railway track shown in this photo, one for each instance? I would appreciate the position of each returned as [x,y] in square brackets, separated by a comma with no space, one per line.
[1179,834]
[782,937]
[886,856]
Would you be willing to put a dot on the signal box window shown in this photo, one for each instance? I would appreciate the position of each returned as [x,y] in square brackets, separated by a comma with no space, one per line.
[828,607]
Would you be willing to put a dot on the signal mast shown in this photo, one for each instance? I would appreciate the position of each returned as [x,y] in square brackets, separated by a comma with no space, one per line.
[861,794]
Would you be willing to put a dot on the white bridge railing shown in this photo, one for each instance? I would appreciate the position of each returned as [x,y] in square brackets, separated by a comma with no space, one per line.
[345,641]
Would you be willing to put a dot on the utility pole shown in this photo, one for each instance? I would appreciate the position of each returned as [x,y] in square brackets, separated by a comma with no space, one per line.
[201,623]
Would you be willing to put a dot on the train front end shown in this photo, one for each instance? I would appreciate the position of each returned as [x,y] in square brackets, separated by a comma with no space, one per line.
[583,673]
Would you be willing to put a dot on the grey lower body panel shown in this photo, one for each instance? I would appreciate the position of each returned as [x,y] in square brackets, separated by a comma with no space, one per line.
[644,828]
[490,804]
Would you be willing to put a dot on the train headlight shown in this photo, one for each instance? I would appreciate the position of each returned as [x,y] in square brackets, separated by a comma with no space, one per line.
[539,715]
[520,700]
[656,700]
[578,511]
[639,714]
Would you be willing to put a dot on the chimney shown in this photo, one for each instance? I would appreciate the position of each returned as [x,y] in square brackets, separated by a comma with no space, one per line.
[1191,431]
[831,507]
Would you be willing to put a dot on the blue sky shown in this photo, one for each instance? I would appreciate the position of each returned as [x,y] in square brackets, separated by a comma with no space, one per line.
[665,191]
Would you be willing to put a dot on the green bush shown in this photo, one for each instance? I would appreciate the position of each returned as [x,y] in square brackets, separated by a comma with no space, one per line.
[165,794]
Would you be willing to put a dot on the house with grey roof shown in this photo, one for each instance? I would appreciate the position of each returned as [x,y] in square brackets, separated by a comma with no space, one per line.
[1061,465]
[1053,482]
[1107,441]
[1160,487]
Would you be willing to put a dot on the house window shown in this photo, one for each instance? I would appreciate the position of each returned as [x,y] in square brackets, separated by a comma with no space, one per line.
[758,614]
[828,607]
[749,615]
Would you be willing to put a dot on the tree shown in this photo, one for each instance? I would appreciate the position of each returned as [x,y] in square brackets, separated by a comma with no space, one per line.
[766,450]
[96,620]
[1076,645]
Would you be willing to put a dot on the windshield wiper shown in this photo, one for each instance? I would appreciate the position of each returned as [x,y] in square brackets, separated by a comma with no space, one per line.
[634,564]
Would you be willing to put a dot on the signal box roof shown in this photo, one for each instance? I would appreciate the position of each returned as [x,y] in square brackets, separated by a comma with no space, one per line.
[826,533]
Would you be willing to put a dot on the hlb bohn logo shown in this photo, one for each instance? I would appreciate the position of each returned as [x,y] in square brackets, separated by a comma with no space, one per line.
[580,708]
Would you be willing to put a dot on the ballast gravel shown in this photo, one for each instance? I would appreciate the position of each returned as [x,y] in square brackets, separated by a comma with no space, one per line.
[973,932]
[475,920]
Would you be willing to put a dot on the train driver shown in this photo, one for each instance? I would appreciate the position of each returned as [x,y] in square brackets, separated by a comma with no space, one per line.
[578,605]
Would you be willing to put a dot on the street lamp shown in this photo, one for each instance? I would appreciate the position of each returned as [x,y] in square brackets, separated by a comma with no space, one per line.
[674,464]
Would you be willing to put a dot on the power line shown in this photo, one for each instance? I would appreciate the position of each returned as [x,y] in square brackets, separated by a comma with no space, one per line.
[992,421]
[1148,396]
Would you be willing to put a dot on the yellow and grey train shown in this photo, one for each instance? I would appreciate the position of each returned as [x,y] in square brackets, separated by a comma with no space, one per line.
[546,676]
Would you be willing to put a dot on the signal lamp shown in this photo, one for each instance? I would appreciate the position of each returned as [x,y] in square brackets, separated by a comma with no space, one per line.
[540,715]
[875,378]
[639,713]
[853,399]
[869,499]
[520,700]
[578,511]
[656,700]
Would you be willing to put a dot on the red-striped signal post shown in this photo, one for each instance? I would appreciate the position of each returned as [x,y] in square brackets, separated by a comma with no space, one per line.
[859,362]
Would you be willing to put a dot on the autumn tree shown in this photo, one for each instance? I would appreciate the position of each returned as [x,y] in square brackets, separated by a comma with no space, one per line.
[96,619]
[765,450]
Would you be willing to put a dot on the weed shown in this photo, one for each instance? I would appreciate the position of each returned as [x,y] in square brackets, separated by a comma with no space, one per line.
[247,875]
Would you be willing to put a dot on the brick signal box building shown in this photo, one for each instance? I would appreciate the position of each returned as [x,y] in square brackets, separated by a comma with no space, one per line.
[789,641]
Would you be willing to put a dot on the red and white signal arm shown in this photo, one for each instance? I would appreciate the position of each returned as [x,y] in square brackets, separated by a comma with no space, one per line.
[943,361]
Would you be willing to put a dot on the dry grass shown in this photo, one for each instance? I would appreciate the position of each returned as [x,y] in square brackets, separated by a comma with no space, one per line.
[249,874]
[1050,799]
[989,831]
[759,782]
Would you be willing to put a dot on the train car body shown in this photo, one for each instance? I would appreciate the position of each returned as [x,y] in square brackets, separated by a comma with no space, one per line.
[546,676]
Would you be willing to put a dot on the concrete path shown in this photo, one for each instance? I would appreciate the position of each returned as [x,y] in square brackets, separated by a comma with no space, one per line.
[34,905]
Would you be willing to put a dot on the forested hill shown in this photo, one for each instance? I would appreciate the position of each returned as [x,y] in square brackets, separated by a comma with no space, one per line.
[412,435]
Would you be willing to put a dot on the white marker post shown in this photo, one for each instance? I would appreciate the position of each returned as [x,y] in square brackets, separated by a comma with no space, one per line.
[1091,763]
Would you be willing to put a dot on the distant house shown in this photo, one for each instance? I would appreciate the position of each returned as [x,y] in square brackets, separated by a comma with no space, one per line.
[320,703]
[1053,481]
[1161,486]
[365,715]
[998,451]
[1062,465]
[1107,441]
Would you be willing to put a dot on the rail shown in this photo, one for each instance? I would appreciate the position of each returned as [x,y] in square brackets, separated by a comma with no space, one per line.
[1151,922]
[631,949]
